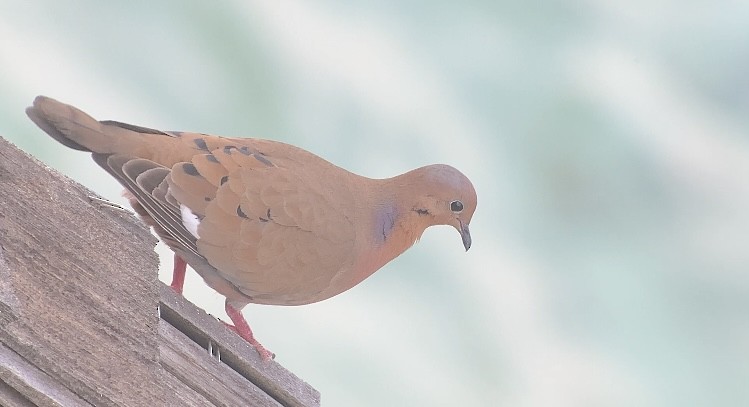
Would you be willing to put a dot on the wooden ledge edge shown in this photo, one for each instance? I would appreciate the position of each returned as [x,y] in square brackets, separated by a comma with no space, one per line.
[211,334]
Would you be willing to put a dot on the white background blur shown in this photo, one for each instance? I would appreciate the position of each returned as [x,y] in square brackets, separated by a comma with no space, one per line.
[608,142]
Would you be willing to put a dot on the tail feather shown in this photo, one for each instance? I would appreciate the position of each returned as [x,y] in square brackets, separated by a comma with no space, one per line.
[77,130]
[40,114]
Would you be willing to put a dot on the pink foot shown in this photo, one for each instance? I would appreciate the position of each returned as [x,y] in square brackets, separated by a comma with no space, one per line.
[178,274]
[242,328]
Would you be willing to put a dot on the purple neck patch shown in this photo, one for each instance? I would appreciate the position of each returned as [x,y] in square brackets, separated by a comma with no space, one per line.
[384,222]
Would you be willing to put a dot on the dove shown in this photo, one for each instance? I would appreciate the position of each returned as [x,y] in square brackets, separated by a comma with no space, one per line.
[261,221]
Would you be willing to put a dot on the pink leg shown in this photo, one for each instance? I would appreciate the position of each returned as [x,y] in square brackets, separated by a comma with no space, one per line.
[242,328]
[178,274]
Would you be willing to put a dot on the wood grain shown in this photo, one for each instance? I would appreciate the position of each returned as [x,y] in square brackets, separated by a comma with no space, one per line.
[79,311]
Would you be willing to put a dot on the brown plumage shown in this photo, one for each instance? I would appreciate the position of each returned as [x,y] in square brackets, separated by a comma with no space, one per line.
[262,221]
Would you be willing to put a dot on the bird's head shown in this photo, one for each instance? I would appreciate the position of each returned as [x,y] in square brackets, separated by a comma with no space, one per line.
[444,196]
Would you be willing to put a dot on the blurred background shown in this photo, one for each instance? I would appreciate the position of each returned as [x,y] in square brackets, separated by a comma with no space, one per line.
[607,141]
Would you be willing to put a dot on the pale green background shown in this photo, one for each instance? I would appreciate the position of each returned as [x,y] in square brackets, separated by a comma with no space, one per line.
[607,141]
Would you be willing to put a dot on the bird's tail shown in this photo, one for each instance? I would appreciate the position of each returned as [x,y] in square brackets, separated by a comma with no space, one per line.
[77,130]
[64,123]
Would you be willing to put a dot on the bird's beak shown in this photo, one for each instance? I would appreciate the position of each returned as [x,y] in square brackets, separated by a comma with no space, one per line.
[465,234]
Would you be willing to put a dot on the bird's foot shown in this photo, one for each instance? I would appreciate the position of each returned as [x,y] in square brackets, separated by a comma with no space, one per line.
[242,328]
[264,353]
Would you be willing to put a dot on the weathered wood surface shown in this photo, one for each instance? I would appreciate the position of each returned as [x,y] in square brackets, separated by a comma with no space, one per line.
[80,302]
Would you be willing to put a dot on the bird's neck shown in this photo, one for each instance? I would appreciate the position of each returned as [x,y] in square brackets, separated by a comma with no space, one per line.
[394,224]
[389,226]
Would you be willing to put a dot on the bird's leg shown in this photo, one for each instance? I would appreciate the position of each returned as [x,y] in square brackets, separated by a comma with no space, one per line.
[178,274]
[242,328]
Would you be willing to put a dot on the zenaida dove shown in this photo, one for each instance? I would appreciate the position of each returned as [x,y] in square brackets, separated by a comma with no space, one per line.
[262,221]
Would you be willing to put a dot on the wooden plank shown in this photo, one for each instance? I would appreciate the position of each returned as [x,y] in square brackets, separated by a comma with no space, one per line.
[206,375]
[84,281]
[235,353]
[11,397]
[78,310]
[37,388]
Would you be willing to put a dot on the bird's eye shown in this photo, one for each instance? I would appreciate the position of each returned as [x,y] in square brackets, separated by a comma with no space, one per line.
[456,206]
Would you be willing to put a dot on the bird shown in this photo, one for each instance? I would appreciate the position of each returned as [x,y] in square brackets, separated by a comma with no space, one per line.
[262,221]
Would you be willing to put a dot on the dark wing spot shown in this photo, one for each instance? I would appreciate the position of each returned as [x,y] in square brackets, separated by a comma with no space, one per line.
[212,158]
[245,150]
[201,144]
[263,160]
[207,199]
[240,213]
[132,127]
[190,169]
[224,179]
[268,214]
[422,211]
[227,149]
